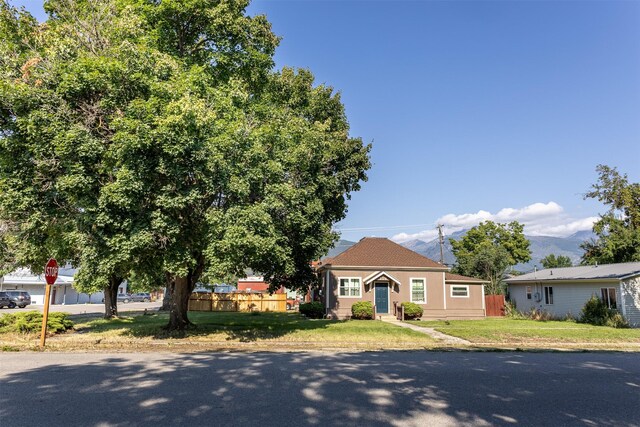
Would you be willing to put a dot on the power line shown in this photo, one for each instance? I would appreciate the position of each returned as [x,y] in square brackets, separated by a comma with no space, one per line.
[391,227]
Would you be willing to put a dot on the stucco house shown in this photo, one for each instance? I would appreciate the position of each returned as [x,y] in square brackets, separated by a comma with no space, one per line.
[387,274]
[563,291]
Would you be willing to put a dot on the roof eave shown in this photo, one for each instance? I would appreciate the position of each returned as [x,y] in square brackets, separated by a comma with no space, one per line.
[382,267]
[602,279]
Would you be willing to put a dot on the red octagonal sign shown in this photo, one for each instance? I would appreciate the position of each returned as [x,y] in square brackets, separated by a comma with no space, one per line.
[51,271]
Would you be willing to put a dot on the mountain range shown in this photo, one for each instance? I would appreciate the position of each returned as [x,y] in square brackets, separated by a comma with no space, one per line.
[540,246]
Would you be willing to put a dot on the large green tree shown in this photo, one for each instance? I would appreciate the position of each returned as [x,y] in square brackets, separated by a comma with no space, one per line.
[553,261]
[618,230]
[64,83]
[487,250]
[152,140]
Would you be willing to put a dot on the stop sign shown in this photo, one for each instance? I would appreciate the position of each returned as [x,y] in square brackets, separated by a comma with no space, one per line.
[51,271]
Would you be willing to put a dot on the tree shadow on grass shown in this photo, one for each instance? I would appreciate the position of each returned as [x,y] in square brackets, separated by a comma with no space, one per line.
[243,327]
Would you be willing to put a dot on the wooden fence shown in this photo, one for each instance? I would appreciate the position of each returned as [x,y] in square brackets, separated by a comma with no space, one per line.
[237,301]
[494,305]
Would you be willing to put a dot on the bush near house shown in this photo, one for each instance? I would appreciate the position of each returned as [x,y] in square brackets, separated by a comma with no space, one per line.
[31,321]
[362,310]
[596,312]
[312,310]
[412,311]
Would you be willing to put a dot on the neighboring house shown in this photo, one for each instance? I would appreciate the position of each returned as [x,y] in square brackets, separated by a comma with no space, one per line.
[252,284]
[387,274]
[255,284]
[62,292]
[564,291]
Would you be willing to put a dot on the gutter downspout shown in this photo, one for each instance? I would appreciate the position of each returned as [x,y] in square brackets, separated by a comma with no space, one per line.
[444,290]
[327,286]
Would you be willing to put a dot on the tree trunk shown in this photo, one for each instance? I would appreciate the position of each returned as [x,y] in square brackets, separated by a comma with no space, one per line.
[179,306]
[111,297]
[182,288]
[168,292]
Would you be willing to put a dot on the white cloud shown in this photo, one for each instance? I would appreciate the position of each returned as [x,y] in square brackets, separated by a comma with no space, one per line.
[539,219]
[425,235]
[561,230]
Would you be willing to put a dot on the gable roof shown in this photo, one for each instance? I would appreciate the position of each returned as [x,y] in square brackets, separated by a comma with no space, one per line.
[381,252]
[583,272]
[378,274]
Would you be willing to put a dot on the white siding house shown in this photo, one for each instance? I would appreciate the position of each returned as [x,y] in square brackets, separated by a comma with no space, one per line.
[564,291]
[62,292]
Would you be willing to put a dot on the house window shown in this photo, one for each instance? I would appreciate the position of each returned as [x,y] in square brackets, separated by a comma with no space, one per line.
[350,287]
[460,291]
[609,297]
[548,295]
[418,291]
[528,292]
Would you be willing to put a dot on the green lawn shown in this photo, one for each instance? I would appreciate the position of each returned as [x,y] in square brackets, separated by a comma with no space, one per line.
[511,331]
[232,331]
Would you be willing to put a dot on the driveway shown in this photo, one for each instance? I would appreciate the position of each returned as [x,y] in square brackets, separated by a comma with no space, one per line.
[317,389]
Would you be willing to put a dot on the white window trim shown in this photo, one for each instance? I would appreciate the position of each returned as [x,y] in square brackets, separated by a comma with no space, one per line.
[528,292]
[424,293]
[359,279]
[545,293]
[458,286]
[608,302]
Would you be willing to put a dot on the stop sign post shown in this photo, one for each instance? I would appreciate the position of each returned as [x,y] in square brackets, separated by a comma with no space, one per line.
[50,276]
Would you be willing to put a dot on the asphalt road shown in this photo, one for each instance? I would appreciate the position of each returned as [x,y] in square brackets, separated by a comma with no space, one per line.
[86,308]
[317,389]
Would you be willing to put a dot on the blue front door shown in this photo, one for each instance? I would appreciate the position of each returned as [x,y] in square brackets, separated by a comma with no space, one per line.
[382,298]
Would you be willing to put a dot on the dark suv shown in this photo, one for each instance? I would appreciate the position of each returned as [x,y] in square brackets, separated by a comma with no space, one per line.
[5,300]
[19,298]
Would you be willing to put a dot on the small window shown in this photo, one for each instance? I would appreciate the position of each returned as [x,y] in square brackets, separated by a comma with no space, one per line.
[528,292]
[350,287]
[460,291]
[609,297]
[418,291]
[548,295]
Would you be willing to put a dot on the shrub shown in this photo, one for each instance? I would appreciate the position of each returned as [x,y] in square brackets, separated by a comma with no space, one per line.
[511,311]
[362,310]
[537,314]
[312,310]
[31,321]
[412,310]
[595,312]
[617,320]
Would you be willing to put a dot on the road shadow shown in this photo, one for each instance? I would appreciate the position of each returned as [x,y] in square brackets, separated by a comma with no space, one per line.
[313,389]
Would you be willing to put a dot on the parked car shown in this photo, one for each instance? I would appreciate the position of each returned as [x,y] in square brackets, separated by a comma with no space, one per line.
[141,297]
[124,298]
[19,298]
[5,300]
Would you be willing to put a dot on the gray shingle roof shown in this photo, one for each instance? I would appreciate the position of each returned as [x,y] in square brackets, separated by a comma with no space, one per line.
[585,272]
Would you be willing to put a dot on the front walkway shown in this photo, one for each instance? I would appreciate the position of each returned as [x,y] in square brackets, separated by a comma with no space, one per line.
[447,339]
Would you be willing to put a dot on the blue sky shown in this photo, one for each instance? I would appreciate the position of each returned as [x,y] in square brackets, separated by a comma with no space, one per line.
[476,110]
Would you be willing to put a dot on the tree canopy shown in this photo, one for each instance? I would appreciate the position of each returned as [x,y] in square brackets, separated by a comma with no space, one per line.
[618,230]
[153,141]
[553,261]
[487,250]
